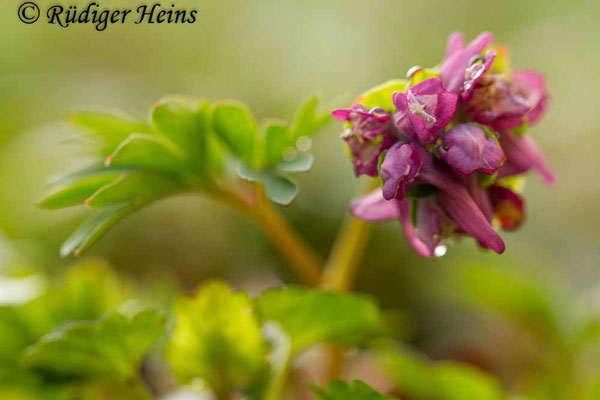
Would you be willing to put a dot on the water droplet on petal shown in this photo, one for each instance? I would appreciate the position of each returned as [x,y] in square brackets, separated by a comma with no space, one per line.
[440,251]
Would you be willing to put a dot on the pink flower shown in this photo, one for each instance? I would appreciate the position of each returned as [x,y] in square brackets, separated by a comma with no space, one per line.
[424,109]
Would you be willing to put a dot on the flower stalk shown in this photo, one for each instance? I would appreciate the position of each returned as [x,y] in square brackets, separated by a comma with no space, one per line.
[301,257]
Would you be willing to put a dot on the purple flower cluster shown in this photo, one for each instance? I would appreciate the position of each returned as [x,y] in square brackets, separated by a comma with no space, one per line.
[451,149]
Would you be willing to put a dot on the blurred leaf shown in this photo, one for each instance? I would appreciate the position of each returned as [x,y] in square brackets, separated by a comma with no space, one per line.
[93,228]
[423,74]
[308,119]
[277,188]
[107,129]
[15,334]
[217,338]
[421,379]
[381,96]
[135,188]
[316,316]
[512,295]
[236,127]
[85,292]
[109,348]
[340,390]
[277,139]
[186,123]
[302,163]
[148,152]
[74,190]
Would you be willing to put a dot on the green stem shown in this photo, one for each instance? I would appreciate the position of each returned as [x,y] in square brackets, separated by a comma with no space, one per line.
[277,383]
[300,256]
[348,249]
[342,266]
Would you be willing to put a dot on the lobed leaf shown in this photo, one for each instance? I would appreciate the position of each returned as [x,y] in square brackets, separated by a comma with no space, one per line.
[73,190]
[277,139]
[277,188]
[93,229]
[235,126]
[381,96]
[309,119]
[301,163]
[107,129]
[185,122]
[311,316]
[217,338]
[109,348]
[136,188]
[147,152]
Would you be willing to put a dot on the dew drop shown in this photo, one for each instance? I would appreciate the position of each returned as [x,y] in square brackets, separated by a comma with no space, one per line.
[440,251]
[290,154]
[304,143]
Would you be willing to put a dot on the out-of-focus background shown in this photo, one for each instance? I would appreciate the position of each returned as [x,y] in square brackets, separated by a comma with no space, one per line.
[271,54]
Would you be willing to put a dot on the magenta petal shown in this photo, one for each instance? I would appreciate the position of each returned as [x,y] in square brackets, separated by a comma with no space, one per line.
[480,196]
[374,208]
[452,71]
[406,121]
[424,109]
[409,230]
[429,226]
[399,168]
[466,149]
[436,100]
[454,44]
[532,86]
[458,203]
[522,154]
[371,133]
[463,210]
[497,105]
[341,114]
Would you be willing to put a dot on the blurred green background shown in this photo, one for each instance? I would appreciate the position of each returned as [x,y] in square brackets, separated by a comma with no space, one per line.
[271,54]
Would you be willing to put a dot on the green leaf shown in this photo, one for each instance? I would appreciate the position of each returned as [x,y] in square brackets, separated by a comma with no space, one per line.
[236,127]
[419,378]
[277,188]
[93,229]
[340,390]
[424,74]
[309,119]
[302,163]
[107,129]
[186,123]
[381,96]
[277,139]
[315,316]
[148,152]
[109,348]
[217,338]
[73,190]
[85,291]
[136,188]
